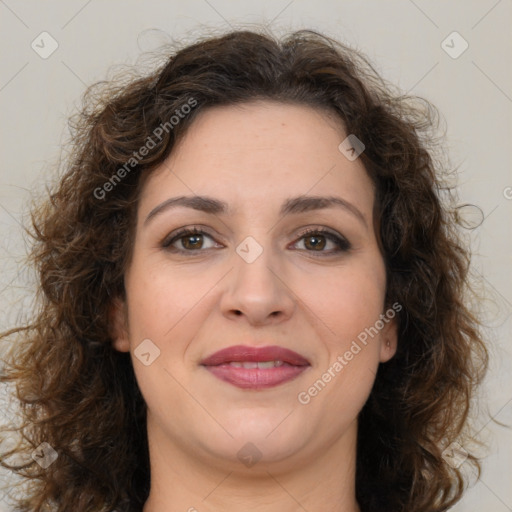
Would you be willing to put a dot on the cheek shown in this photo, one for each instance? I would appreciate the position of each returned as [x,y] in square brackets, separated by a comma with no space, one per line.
[349,304]
[348,300]
[168,311]
[160,298]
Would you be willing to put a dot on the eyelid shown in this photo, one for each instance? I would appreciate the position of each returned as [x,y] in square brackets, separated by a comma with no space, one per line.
[184,231]
[343,245]
[341,241]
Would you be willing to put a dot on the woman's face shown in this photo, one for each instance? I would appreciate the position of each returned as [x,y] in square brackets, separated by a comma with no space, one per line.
[271,267]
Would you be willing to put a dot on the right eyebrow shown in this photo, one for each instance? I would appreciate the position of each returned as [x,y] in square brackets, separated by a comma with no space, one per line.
[200,203]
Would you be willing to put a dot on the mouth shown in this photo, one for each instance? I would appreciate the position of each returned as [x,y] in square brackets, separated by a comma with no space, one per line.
[255,367]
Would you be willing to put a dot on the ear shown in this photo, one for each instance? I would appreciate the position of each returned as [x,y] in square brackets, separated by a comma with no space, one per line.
[388,341]
[118,325]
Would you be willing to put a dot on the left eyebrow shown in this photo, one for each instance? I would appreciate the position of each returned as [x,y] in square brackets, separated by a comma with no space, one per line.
[291,206]
[303,204]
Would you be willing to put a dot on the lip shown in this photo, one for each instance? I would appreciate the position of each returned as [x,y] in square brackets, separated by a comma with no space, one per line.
[218,364]
[244,353]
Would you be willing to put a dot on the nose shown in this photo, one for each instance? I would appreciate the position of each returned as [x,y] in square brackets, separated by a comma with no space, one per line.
[258,292]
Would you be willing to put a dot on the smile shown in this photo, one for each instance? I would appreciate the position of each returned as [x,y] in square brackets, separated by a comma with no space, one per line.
[255,367]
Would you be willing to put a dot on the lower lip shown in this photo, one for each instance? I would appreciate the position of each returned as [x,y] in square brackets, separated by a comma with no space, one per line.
[255,378]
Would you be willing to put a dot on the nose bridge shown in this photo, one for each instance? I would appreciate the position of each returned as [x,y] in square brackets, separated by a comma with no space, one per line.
[256,290]
[253,266]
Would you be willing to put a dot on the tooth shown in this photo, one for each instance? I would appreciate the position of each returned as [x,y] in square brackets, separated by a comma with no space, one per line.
[266,364]
[251,365]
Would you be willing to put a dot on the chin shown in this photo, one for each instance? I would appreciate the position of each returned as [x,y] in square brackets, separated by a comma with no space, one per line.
[257,455]
[259,434]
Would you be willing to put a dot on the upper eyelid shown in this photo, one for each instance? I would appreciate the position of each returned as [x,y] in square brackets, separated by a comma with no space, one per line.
[306,231]
[203,230]
[182,232]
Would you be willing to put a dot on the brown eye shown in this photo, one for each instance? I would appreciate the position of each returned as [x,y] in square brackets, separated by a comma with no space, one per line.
[192,241]
[188,240]
[317,240]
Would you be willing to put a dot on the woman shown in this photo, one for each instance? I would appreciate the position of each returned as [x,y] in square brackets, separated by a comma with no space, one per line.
[252,295]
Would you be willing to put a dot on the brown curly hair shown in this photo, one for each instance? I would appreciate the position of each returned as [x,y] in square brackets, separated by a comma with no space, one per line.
[80,395]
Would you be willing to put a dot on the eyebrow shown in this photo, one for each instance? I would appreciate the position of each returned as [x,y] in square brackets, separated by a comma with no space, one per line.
[294,205]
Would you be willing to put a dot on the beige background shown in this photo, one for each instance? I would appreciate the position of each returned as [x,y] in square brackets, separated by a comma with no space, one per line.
[402,37]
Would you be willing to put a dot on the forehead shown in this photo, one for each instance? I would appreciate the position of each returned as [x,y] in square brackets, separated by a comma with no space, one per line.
[261,151]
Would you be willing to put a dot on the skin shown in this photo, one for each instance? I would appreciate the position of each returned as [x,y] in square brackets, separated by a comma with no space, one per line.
[297,294]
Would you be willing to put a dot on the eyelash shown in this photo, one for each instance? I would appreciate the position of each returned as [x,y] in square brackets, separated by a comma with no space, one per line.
[342,243]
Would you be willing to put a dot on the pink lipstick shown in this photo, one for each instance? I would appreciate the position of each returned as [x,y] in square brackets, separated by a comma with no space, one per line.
[255,368]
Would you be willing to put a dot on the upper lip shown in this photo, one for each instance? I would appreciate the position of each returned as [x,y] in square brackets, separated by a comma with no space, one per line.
[245,353]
